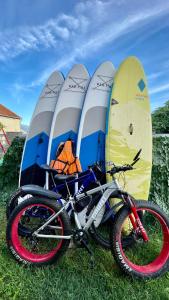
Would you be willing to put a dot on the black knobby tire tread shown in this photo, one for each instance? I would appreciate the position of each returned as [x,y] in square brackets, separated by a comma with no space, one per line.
[11,202]
[66,224]
[119,218]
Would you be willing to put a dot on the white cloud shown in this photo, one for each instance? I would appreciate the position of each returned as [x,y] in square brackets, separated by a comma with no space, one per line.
[22,39]
[107,33]
[95,20]
[155,75]
[92,25]
[160,88]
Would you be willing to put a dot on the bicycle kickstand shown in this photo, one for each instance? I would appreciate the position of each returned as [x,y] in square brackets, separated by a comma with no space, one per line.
[92,262]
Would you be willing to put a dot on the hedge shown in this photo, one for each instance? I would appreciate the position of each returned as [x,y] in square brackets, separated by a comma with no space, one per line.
[9,170]
[159,191]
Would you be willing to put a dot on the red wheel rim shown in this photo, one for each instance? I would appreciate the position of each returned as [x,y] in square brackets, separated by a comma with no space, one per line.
[21,250]
[160,261]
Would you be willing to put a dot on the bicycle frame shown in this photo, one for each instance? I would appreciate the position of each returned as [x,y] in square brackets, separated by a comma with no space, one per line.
[85,179]
[108,188]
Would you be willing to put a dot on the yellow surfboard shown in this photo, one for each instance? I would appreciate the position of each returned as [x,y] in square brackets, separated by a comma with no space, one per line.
[129,127]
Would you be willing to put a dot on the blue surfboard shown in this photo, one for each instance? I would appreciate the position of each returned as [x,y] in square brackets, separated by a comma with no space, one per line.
[91,135]
[36,144]
[67,114]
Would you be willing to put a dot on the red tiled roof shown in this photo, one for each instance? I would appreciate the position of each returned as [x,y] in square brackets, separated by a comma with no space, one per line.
[5,112]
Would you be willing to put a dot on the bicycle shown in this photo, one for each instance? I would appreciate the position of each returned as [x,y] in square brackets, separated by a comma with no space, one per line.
[64,184]
[50,236]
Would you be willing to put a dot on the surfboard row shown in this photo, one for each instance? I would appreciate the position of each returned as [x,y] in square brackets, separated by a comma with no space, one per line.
[107,116]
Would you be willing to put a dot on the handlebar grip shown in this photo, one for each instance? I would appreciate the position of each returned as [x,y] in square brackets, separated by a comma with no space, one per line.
[128,168]
[135,161]
[118,169]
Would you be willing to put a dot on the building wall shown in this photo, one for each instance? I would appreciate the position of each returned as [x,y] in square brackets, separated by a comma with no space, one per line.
[11,124]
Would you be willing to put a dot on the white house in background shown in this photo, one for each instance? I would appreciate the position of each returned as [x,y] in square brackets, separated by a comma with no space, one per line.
[10,120]
[11,127]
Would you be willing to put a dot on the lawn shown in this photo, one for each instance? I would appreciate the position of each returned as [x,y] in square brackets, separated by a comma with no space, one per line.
[72,277]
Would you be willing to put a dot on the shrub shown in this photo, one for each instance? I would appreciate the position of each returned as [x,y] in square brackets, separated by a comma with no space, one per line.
[159,191]
[9,170]
[160,119]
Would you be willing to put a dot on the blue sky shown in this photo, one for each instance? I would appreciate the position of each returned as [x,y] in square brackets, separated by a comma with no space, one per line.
[40,36]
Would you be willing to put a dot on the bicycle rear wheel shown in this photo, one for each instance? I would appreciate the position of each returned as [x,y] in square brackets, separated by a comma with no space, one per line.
[145,259]
[29,249]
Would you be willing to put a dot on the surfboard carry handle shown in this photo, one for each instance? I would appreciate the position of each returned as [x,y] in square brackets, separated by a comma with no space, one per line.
[131,128]
[40,141]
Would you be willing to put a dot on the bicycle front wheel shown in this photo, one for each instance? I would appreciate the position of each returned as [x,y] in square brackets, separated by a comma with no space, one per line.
[30,249]
[145,259]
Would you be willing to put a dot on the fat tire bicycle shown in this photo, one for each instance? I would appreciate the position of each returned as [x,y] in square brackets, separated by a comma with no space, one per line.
[50,234]
[89,179]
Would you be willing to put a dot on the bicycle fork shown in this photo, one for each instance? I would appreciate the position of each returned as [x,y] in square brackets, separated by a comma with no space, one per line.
[135,220]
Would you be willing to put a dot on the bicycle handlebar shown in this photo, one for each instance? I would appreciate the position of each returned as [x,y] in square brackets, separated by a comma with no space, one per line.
[124,168]
[117,169]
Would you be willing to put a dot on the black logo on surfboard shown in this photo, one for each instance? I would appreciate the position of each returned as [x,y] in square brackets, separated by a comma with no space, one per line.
[51,90]
[113,101]
[104,83]
[77,85]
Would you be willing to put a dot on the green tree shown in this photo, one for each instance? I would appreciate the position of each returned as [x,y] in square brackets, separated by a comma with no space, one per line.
[160,119]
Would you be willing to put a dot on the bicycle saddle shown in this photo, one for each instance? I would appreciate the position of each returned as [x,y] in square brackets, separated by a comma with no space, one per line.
[48,169]
[64,177]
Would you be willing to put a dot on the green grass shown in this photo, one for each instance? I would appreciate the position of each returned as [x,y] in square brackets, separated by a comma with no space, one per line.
[71,277]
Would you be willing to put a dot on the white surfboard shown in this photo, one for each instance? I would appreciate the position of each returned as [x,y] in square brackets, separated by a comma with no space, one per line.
[67,114]
[36,144]
[91,136]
